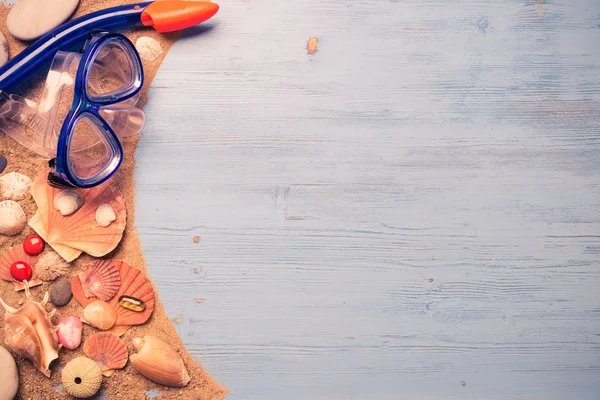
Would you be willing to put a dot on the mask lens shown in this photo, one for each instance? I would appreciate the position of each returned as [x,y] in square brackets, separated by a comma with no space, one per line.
[112,74]
[90,153]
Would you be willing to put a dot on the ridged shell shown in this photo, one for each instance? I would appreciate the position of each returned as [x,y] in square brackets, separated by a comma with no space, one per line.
[12,218]
[14,185]
[12,255]
[82,377]
[108,350]
[51,266]
[70,236]
[133,283]
[157,361]
[100,279]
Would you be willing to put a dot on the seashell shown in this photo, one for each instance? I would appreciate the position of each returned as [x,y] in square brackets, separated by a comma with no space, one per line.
[12,218]
[70,236]
[100,279]
[132,303]
[50,266]
[105,215]
[68,202]
[12,255]
[82,377]
[69,332]
[134,283]
[108,350]
[157,361]
[30,333]
[14,186]
[9,378]
[100,315]
[61,293]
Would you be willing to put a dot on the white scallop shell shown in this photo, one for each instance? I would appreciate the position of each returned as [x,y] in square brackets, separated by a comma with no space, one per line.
[14,185]
[67,202]
[105,215]
[50,266]
[12,218]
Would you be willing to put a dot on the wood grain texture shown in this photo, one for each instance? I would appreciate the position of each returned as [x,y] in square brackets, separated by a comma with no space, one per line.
[415,205]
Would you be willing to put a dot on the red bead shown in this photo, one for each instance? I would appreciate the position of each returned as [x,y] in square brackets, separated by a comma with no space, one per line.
[33,245]
[21,271]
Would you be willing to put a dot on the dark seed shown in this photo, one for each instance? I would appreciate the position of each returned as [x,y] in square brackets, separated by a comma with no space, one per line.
[3,163]
[61,294]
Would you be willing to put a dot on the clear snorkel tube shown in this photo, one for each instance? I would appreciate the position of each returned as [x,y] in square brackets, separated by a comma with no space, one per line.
[37,126]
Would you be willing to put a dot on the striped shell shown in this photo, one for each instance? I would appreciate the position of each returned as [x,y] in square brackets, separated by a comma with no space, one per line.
[50,266]
[100,279]
[14,254]
[134,283]
[14,186]
[82,377]
[12,218]
[108,350]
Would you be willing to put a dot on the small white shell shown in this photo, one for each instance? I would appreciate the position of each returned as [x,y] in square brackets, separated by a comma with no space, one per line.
[14,185]
[105,215]
[68,201]
[12,218]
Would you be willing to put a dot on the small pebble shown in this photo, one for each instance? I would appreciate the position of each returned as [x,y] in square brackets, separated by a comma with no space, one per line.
[3,59]
[30,19]
[9,378]
[61,294]
[69,332]
[3,163]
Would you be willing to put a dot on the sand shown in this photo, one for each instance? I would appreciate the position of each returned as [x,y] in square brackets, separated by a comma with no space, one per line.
[125,383]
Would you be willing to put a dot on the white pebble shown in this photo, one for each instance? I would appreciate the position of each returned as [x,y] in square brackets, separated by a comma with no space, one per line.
[30,19]
[3,50]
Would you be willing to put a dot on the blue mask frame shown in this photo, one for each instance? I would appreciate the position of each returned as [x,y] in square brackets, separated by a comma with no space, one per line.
[87,106]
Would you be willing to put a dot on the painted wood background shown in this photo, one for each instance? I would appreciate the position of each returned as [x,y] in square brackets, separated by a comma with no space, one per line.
[413,212]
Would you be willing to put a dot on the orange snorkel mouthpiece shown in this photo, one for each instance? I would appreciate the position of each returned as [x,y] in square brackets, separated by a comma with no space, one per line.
[173,15]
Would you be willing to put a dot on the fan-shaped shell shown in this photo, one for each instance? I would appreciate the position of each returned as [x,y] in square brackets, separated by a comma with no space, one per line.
[100,279]
[134,283]
[14,185]
[71,235]
[82,377]
[12,255]
[50,266]
[12,218]
[108,350]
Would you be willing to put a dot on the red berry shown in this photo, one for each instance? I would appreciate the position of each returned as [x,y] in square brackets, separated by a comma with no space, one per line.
[33,245]
[21,271]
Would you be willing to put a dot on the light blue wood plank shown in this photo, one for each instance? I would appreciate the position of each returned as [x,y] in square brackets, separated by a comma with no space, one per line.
[451,140]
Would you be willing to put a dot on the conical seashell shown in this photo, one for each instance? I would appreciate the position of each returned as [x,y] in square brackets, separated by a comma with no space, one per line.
[12,218]
[157,361]
[105,215]
[100,279]
[12,255]
[69,236]
[108,350]
[14,186]
[50,266]
[67,202]
[134,283]
[30,333]
[99,314]
[82,377]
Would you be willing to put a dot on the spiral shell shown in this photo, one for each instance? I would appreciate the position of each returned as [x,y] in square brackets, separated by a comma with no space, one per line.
[50,266]
[12,218]
[108,350]
[82,377]
[101,279]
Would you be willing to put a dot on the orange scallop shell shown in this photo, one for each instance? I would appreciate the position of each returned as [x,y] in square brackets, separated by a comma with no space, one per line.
[12,255]
[108,350]
[70,236]
[100,279]
[134,283]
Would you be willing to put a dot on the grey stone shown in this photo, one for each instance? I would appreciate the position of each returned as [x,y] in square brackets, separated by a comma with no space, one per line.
[61,293]
[9,378]
[3,163]
[30,19]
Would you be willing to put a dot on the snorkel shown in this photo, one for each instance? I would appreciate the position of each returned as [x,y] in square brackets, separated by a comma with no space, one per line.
[164,16]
